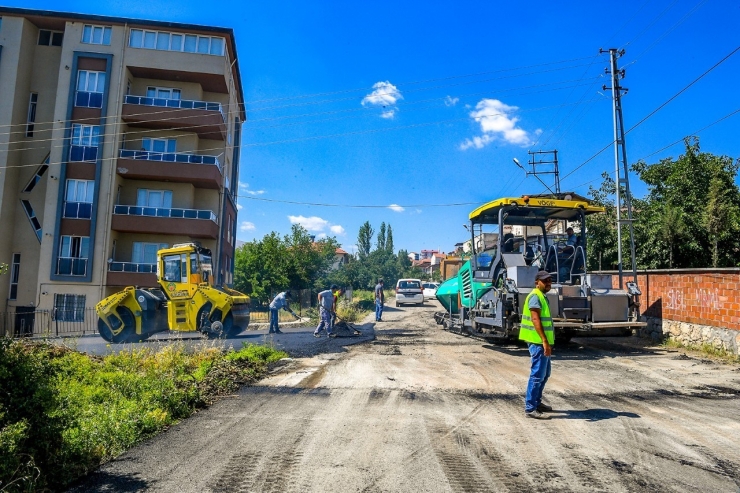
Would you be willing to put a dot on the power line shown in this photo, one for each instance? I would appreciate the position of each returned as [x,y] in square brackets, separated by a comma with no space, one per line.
[655,110]
[343,91]
[360,206]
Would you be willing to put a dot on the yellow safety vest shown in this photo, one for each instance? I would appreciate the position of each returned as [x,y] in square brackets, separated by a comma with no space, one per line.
[526,330]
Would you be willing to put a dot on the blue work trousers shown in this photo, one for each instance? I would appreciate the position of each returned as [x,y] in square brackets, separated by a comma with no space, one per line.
[378,310]
[274,319]
[325,321]
[537,377]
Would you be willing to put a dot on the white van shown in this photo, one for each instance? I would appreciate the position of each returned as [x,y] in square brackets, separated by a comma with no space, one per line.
[409,291]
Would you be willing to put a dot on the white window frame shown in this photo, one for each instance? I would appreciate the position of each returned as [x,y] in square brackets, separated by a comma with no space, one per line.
[86,76]
[144,195]
[15,271]
[175,41]
[89,32]
[78,246]
[138,251]
[170,145]
[170,90]
[89,135]
[86,188]
[33,100]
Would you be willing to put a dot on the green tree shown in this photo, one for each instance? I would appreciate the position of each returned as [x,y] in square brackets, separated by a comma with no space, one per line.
[381,237]
[364,239]
[720,216]
[672,229]
[389,239]
[261,267]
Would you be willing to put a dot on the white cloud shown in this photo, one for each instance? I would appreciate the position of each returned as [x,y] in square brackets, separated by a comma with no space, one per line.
[239,207]
[337,229]
[313,223]
[386,95]
[450,101]
[496,122]
[396,208]
[255,192]
[243,185]
[321,236]
[246,226]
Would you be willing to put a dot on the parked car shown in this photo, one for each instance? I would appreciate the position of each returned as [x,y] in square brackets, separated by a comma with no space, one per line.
[409,291]
[430,290]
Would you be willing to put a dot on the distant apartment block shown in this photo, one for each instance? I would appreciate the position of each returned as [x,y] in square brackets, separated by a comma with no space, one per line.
[117,137]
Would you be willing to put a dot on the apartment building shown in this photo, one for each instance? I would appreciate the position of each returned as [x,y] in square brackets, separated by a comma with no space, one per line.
[117,137]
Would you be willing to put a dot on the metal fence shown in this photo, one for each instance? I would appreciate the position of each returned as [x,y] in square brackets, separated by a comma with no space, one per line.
[29,322]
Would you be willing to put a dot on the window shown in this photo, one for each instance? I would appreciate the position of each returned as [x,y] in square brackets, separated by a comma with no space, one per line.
[146,253]
[96,35]
[159,145]
[15,270]
[154,198]
[73,255]
[69,307]
[32,101]
[37,176]
[165,41]
[50,38]
[79,198]
[162,92]
[176,268]
[35,224]
[85,141]
[90,89]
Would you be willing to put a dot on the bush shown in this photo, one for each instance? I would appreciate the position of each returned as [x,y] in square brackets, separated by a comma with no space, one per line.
[64,413]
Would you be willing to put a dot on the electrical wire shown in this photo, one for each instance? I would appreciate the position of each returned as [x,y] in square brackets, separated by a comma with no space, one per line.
[649,115]
[360,206]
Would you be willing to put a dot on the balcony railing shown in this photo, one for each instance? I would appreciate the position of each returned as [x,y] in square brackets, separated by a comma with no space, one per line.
[89,99]
[169,157]
[71,266]
[184,104]
[77,210]
[137,210]
[132,267]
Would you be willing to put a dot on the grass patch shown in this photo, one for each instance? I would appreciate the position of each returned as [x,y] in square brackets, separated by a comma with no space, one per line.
[63,413]
[704,349]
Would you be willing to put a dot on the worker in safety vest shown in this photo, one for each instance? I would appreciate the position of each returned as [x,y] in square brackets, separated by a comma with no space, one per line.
[536,329]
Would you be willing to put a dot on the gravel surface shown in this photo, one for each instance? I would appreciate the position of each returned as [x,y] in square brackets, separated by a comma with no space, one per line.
[420,409]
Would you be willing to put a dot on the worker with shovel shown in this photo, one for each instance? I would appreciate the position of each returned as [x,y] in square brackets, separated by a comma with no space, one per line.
[326,307]
[280,301]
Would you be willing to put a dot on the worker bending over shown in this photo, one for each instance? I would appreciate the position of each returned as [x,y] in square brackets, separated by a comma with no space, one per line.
[326,308]
[280,301]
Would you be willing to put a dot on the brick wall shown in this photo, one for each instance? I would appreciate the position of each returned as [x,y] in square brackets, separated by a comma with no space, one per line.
[697,296]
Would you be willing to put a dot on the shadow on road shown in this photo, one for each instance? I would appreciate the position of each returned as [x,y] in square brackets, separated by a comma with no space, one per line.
[592,348]
[108,481]
[592,414]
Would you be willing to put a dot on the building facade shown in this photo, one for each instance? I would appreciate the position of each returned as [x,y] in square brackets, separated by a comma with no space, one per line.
[117,137]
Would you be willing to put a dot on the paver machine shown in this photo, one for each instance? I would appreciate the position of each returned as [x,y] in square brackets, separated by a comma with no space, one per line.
[186,300]
[486,297]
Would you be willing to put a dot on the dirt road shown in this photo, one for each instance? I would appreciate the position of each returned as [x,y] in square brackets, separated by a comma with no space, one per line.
[420,409]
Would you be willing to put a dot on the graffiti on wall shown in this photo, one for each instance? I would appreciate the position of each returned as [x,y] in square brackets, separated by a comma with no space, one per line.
[674,299]
[706,299]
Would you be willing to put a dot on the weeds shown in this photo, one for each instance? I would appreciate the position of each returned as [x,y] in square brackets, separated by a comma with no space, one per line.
[63,413]
[705,349]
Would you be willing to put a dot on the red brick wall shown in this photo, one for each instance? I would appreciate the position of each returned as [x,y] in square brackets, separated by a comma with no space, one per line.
[705,296]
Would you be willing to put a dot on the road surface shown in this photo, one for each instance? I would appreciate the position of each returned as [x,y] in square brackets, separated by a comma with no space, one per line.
[420,409]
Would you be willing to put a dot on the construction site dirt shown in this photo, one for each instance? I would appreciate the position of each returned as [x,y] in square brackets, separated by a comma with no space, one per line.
[420,409]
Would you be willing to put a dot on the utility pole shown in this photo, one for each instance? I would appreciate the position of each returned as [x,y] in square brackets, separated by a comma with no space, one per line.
[553,160]
[621,170]
[535,160]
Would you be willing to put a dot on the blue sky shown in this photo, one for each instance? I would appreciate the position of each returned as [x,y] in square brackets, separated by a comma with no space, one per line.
[375,104]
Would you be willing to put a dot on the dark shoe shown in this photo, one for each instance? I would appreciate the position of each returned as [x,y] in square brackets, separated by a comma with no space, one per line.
[316,335]
[332,335]
[544,408]
[278,331]
[270,332]
[536,415]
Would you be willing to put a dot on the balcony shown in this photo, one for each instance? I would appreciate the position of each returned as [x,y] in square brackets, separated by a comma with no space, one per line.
[132,274]
[207,119]
[200,171]
[77,210]
[71,266]
[155,220]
